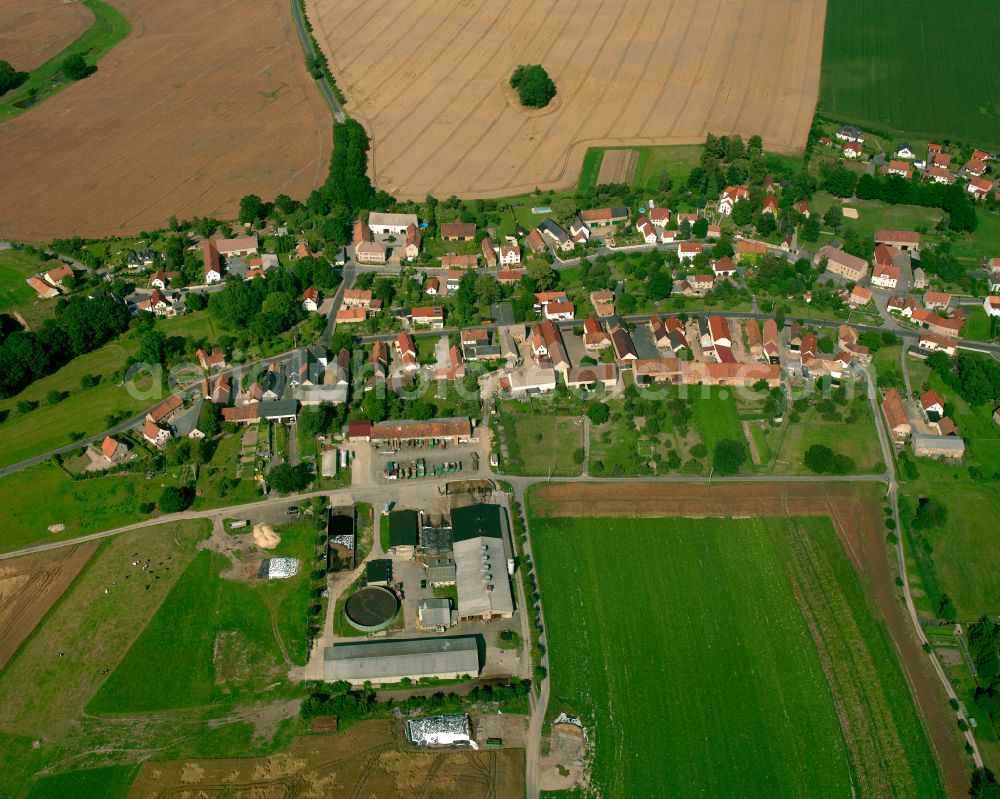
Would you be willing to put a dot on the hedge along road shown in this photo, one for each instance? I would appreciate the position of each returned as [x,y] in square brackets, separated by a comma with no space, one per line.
[110,27]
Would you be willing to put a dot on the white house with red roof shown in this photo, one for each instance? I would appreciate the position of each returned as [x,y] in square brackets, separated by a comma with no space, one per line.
[432,316]
[979,188]
[310,299]
[770,205]
[688,250]
[647,230]
[155,434]
[992,305]
[885,275]
[730,196]
[723,267]
[901,168]
[852,150]
[802,206]
[659,216]
[557,311]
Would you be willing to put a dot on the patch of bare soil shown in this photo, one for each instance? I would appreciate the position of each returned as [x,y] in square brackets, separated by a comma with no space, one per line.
[33,31]
[368,760]
[29,586]
[243,552]
[431,85]
[856,512]
[565,765]
[202,104]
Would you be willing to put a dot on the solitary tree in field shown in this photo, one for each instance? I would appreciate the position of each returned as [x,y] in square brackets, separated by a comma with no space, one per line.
[533,84]
[75,68]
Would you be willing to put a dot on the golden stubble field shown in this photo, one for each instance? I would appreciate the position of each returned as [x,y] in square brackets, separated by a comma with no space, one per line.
[201,104]
[428,79]
[32,31]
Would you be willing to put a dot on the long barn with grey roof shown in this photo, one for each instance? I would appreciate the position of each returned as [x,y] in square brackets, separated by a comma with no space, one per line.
[384,662]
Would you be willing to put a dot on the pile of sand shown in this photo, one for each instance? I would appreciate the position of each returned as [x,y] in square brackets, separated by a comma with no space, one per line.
[265,537]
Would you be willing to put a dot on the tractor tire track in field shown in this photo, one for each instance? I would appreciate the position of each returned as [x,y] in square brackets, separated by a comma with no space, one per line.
[468,115]
[746,92]
[513,137]
[878,757]
[670,73]
[701,68]
[600,100]
[443,80]
[640,81]
[477,143]
[586,76]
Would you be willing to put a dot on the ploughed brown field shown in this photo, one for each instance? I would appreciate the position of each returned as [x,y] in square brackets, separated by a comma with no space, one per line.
[32,31]
[201,104]
[429,80]
[29,586]
[856,512]
[369,759]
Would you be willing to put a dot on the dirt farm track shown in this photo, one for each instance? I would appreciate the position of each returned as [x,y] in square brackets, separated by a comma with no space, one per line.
[428,78]
[203,103]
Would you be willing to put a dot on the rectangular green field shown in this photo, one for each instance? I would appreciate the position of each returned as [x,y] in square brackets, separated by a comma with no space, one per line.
[725,657]
[219,638]
[904,66]
[547,443]
[715,414]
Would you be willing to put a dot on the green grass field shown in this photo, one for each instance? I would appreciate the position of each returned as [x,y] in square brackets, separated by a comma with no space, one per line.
[546,443]
[44,495]
[977,325]
[715,416]
[110,27]
[219,639]
[857,439]
[720,682]
[965,557]
[16,266]
[590,169]
[45,688]
[934,75]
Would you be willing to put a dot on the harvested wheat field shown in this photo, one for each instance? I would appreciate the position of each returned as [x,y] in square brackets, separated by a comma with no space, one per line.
[32,31]
[29,586]
[856,512]
[618,166]
[202,104]
[429,81]
[365,760]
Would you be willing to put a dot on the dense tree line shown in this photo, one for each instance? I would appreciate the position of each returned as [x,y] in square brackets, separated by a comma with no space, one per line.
[79,325]
[352,706]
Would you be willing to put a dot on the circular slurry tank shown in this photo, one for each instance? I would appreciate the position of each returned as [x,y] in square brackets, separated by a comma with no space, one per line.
[371,608]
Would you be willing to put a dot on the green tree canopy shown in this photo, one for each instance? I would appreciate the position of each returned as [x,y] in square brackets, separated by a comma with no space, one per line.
[75,68]
[174,500]
[285,479]
[729,456]
[10,78]
[534,86]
